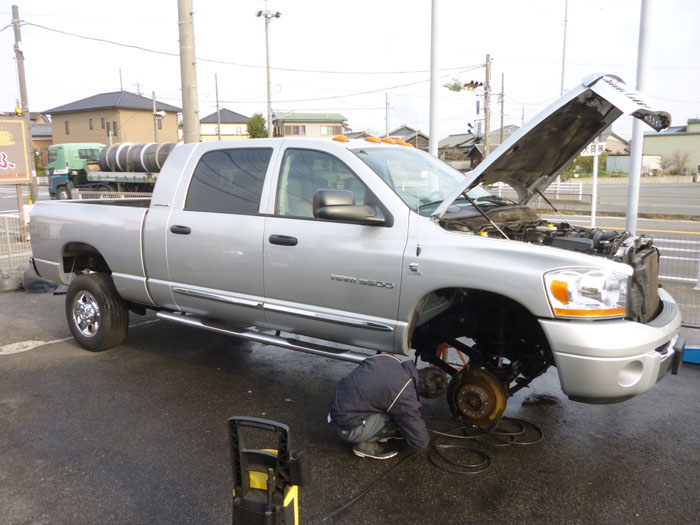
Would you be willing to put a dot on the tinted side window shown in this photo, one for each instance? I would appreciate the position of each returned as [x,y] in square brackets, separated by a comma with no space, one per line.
[229,181]
[305,171]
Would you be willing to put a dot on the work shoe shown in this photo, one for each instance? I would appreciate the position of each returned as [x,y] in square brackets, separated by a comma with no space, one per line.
[374,450]
[386,433]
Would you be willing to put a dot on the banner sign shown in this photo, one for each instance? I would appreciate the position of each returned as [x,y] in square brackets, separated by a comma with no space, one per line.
[591,150]
[14,164]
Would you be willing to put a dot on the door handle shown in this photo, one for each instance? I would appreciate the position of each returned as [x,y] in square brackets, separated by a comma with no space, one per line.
[283,240]
[180,230]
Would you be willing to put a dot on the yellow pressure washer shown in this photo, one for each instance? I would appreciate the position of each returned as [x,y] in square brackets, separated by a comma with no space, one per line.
[266,481]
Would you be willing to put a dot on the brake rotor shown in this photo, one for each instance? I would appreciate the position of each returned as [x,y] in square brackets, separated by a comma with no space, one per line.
[477,397]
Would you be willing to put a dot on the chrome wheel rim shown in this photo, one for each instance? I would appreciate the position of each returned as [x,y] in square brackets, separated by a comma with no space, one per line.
[86,313]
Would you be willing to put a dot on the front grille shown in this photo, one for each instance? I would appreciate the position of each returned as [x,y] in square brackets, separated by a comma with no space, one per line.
[644,289]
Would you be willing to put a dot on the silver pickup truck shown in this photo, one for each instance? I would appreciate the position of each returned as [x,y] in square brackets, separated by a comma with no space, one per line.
[336,247]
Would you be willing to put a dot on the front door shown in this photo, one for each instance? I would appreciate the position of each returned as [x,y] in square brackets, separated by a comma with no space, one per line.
[327,279]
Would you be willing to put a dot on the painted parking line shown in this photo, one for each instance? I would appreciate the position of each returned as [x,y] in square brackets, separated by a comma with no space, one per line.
[24,346]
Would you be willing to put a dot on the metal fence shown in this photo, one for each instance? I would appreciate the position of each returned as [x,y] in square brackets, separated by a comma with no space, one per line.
[680,272]
[15,248]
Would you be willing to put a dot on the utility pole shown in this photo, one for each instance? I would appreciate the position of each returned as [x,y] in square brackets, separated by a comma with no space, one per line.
[218,111]
[487,107]
[500,138]
[432,132]
[563,57]
[121,84]
[637,134]
[188,72]
[155,119]
[19,56]
[268,15]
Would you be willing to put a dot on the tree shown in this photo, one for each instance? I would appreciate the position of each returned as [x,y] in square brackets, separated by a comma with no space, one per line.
[679,161]
[256,126]
[666,163]
[585,164]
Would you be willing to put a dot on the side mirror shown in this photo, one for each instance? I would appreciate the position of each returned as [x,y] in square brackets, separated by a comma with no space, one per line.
[339,205]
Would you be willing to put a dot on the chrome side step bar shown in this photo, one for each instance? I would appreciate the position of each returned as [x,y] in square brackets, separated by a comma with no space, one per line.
[258,337]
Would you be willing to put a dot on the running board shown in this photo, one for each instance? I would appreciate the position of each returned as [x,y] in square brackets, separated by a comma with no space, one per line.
[258,337]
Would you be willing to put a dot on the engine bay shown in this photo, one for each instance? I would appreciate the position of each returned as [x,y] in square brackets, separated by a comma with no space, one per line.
[521,223]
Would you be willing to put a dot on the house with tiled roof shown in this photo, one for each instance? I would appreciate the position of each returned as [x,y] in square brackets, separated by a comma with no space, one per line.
[233,126]
[414,137]
[119,116]
[294,124]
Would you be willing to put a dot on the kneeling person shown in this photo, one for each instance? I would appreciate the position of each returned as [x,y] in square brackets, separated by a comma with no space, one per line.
[380,400]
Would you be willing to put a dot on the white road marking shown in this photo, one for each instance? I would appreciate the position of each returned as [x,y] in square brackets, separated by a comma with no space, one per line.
[23,346]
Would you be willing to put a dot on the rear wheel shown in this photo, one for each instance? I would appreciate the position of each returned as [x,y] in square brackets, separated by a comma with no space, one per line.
[97,316]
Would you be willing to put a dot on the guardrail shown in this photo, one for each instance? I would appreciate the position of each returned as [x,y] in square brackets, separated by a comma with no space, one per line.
[679,269]
[556,192]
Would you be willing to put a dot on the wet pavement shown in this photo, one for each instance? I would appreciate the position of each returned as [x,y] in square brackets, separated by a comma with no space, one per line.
[138,434]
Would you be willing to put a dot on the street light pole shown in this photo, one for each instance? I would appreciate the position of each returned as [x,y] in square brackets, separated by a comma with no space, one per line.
[432,132]
[637,132]
[268,15]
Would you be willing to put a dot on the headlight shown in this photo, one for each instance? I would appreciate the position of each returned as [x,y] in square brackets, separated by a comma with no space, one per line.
[587,292]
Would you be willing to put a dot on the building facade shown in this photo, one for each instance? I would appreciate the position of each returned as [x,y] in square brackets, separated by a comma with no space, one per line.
[676,141]
[313,125]
[114,117]
[233,126]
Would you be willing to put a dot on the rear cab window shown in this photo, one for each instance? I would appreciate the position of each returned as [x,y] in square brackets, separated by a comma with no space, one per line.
[229,181]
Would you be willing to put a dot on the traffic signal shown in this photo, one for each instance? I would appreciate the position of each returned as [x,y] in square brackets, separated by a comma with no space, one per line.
[472,85]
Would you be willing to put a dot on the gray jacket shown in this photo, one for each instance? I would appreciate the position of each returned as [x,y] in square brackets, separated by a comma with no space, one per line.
[382,384]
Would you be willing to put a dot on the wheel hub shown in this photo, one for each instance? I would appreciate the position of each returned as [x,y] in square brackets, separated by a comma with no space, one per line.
[86,313]
[477,397]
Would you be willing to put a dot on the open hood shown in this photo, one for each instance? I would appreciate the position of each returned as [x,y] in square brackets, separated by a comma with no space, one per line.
[531,158]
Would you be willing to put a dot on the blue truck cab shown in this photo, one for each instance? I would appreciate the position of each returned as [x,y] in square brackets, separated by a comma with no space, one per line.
[67,163]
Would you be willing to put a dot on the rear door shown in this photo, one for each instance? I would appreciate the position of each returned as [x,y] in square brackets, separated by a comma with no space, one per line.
[214,237]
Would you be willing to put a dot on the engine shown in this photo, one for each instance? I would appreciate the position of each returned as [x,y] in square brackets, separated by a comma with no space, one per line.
[521,223]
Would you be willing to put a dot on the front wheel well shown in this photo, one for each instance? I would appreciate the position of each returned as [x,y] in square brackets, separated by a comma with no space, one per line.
[494,331]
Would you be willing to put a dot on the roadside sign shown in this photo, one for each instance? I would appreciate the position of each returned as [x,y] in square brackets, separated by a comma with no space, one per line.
[594,149]
[14,164]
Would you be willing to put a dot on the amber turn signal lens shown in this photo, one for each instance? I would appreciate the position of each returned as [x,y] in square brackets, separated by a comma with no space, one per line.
[559,291]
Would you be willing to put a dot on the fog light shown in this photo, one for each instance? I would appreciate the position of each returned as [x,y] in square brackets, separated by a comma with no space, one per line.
[630,374]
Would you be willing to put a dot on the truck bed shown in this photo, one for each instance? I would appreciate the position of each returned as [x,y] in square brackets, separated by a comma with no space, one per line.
[109,227]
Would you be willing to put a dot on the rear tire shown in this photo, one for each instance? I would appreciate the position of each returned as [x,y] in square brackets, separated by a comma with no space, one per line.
[97,316]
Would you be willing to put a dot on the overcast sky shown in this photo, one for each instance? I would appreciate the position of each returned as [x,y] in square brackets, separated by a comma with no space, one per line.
[369,42]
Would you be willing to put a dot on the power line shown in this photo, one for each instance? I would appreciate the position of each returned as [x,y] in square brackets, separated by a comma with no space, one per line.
[226,62]
[379,90]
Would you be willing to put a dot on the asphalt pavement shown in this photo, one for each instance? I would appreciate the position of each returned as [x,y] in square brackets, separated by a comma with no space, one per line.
[138,434]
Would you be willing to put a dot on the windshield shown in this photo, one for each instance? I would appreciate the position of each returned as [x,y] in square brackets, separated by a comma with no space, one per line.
[419,179]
